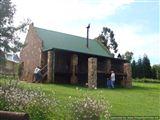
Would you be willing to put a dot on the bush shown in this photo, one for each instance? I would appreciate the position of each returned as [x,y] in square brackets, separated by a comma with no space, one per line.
[90,109]
[41,109]
[145,80]
[35,103]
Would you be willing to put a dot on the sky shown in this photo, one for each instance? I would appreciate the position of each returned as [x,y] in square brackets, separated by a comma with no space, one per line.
[135,23]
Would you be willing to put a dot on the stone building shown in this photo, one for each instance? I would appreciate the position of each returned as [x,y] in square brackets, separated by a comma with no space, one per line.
[65,58]
[8,63]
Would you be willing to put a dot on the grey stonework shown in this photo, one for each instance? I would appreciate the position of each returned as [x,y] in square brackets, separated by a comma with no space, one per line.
[31,54]
[128,79]
[92,72]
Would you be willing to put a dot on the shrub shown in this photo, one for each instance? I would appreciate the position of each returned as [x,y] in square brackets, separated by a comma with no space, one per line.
[90,109]
[41,109]
[145,80]
[33,102]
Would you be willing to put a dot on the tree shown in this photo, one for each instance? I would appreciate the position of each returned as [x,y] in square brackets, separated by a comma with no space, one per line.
[146,67]
[108,40]
[134,69]
[156,71]
[2,58]
[143,69]
[9,40]
[154,75]
[128,56]
[139,67]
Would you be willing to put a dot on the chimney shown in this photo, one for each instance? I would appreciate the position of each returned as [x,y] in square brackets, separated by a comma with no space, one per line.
[88,35]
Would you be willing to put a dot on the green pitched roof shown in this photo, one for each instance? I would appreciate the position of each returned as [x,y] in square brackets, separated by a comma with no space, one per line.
[62,41]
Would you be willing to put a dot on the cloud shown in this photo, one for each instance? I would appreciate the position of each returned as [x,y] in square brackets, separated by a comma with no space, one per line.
[71,16]
[57,12]
[130,39]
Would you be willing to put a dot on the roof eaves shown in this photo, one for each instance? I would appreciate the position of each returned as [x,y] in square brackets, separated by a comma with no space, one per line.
[44,50]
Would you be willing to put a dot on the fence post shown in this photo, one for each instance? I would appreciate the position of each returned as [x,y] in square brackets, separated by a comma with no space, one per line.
[6,115]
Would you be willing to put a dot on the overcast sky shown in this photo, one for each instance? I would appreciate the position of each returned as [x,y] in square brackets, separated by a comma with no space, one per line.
[134,22]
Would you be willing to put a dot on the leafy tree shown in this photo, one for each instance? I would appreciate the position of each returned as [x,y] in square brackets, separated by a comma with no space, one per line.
[156,71]
[143,69]
[2,58]
[108,40]
[128,56]
[134,69]
[146,67]
[9,40]
[139,66]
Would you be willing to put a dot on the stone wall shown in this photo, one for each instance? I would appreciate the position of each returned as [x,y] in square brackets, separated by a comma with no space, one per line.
[128,79]
[31,53]
[8,68]
[92,72]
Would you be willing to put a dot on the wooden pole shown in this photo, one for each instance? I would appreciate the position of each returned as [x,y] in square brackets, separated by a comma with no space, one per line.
[5,115]
[74,65]
[51,64]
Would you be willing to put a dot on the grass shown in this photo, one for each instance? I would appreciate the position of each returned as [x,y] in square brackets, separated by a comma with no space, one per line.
[143,99]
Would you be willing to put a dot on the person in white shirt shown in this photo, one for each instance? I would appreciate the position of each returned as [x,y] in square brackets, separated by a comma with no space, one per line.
[112,78]
[36,70]
[37,74]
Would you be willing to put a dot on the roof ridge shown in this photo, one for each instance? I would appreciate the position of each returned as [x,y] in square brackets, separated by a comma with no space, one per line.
[58,40]
[63,33]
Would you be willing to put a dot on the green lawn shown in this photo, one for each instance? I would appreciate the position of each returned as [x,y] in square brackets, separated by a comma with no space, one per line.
[141,100]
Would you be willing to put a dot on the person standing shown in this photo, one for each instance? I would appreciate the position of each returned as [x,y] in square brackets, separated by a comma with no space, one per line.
[112,79]
[37,74]
[108,83]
